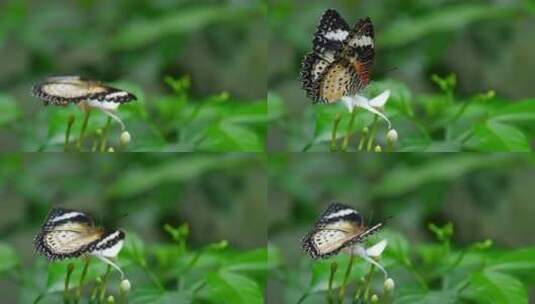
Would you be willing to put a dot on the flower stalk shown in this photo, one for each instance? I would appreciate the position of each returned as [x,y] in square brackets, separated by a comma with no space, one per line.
[103,285]
[68,133]
[82,280]
[372,133]
[335,129]
[330,299]
[87,113]
[346,278]
[70,269]
[349,130]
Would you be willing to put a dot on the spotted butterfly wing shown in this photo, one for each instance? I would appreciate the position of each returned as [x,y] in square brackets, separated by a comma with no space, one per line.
[338,227]
[70,234]
[63,90]
[341,59]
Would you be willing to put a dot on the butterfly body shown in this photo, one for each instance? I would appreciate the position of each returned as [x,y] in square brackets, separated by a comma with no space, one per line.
[71,234]
[64,90]
[340,226]
[341,59]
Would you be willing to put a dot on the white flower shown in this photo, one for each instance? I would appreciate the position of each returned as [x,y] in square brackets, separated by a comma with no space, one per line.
[392,136]
[125,286]
[125,137]
[373,105]
[107,107]
[369,253]
[389,284]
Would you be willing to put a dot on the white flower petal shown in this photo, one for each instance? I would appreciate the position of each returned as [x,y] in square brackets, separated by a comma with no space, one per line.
[348,102]
[379,101]
[377,249]
[373,110]
[360,101]
[372,261]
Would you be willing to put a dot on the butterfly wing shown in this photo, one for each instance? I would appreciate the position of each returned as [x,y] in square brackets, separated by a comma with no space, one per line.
[341,59]
[68,234]
[360,50]
[338,227]
[63,90]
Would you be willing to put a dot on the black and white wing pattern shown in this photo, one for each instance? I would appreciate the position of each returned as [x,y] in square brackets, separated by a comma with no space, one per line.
[338,227]
[63,90]
[70,234]
[341,59]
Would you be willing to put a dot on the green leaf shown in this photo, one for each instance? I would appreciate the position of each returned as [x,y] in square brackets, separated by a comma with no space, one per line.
[249,261]
[186,20]
[231,137]
[228,287]
[517,112]
[152,295]
[139,180]
[495,136]
[495,287]
[421,296]
[402,179]
[8,258]
[9,110]
[520,263]
[447,19]
[57,272]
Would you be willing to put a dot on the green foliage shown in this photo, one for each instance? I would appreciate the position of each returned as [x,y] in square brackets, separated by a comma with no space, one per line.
[423,273]
[439,122]
[159,273]
[168,123]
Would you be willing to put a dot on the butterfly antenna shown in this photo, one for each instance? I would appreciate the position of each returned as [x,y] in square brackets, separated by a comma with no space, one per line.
[112,264]
[391,69]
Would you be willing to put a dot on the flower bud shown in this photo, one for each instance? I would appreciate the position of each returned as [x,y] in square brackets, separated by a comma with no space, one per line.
[377,149]
[125,138]
[125,286]
[374,298]
[111,149]
[392,136]
[389,284]
[111,300]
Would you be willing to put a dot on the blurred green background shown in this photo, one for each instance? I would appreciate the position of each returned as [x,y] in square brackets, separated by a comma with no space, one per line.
[482,195]
[488,45]
[221,197]
[219,44]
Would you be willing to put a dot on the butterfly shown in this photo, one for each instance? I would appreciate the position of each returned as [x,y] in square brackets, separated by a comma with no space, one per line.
[340,62]
[339,226]
[71,234]
[63,90]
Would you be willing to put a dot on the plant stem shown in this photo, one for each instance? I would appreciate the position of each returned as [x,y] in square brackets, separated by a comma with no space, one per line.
[331,279]
[346,279]
[103,285]
[68,133]
[368,284]
[335,128]
[104,133]
[349,129]
[70,269]
[82,279]
[372,133]
[87,113]
[303,297]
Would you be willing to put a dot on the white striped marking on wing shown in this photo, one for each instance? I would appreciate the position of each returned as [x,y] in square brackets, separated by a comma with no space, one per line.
[361,41]
[66,216]
[337,35]
[341,213]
